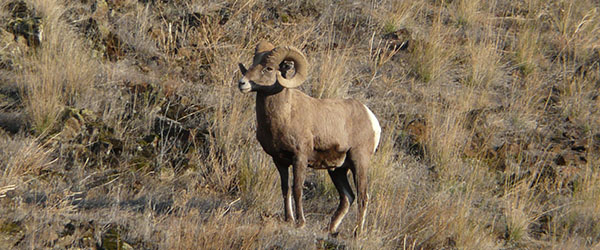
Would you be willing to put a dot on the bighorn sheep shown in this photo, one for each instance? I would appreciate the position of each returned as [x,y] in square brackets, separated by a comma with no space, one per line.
[296,129]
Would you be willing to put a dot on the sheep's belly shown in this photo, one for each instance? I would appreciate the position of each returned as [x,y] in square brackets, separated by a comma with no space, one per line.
[326,159]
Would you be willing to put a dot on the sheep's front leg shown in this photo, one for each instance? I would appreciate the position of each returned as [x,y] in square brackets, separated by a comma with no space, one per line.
[299,166]
[285,190]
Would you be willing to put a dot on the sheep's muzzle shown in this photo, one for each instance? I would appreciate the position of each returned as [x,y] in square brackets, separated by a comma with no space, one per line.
[244,85]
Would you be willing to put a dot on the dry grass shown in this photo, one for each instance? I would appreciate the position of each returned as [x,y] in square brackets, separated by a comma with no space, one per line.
[137,137]
[58,73]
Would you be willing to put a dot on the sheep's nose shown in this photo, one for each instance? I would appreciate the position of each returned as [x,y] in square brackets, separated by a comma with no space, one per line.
[244,85]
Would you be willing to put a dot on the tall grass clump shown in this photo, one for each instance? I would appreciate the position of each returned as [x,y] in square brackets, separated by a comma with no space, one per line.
[577,25]
[520,213]
[575,224]
[447,136]
[22,158]
[230,134]
[467,12]
[484,66]
[528,51]
[432,58]
[259,181]
[333,80]
[394,15]
[59,73]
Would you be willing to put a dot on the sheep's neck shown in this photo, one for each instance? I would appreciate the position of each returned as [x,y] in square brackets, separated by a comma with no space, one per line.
[273,107]
[272,112]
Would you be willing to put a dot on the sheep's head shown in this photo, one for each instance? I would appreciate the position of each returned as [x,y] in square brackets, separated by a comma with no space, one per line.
[267,71]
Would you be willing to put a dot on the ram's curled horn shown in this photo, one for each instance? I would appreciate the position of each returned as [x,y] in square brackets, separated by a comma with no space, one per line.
[262,48]
[280,54]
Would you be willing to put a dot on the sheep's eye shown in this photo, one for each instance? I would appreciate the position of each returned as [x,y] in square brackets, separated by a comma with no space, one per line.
[267,69]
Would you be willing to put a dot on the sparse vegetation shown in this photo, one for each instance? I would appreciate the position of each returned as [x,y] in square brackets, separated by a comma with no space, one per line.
[121,125]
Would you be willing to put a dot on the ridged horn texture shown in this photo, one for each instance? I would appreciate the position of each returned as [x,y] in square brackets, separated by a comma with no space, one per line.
[262,48]
[280,54]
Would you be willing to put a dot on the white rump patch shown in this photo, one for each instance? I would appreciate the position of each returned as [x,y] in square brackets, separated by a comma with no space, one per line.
[376,127]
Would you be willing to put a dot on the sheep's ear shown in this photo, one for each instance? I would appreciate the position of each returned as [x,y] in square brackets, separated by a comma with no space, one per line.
[242,68]
[287,68]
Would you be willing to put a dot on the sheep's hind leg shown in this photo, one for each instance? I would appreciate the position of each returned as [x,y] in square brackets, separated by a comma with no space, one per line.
[339,176]
[285,190]
[359,173]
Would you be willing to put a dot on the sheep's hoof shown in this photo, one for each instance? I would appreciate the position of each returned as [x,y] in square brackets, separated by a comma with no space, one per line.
[334,234]
[289,219]
[357,232]
[331,232]
[300,224]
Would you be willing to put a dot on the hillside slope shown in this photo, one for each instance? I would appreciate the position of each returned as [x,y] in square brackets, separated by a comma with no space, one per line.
[121,125]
